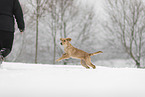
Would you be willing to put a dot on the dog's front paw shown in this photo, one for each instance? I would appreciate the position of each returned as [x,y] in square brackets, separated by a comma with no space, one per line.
[57,60]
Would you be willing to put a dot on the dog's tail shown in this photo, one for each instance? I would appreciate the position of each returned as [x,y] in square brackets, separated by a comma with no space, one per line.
[92,54]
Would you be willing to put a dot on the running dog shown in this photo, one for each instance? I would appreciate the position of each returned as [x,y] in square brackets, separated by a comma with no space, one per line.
[73,52]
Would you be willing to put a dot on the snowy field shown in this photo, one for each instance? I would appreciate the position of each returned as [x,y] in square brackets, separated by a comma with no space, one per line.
[37,80]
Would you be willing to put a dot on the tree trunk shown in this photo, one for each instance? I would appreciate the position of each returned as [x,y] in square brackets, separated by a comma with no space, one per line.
[54,53]
[37,25]
[138,64]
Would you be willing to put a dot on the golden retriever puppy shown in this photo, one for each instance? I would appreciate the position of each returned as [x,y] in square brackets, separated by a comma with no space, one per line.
[73,52]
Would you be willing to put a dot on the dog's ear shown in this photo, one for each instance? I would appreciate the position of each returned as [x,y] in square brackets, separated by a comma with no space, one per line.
[60,39]
[68,39]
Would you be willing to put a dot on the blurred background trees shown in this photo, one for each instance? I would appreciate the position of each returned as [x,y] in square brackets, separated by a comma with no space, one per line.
[119,31]
[54,19]
[126,25]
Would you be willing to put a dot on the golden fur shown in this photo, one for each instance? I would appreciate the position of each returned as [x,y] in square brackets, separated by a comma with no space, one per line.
[73,52]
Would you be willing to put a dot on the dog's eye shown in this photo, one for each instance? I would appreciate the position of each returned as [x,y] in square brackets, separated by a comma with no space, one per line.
[64,40]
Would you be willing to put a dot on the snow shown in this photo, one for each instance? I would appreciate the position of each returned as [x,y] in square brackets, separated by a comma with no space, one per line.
[39,80]
[117,63]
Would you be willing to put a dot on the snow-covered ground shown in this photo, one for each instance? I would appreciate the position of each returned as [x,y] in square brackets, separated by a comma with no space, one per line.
[38,80]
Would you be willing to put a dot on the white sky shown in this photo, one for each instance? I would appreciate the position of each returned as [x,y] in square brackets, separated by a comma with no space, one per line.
[97,3]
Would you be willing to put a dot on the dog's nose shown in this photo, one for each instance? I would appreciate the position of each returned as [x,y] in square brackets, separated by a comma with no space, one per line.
[61,43]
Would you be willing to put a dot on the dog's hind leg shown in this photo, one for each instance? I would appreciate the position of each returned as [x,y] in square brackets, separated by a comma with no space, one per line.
[88,62]
[93,66]
[84,64]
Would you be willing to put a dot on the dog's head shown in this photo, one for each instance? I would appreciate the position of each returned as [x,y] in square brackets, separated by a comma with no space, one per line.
[65,41]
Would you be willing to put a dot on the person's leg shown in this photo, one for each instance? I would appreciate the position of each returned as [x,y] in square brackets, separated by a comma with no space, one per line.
[5,51]
[1,46]
[6,42]
[1,39]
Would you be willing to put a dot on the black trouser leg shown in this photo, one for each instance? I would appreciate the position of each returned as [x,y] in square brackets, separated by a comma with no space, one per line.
[6,42]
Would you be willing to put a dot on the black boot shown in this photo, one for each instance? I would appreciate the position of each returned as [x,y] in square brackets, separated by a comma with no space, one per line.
[1,59]
[5,52]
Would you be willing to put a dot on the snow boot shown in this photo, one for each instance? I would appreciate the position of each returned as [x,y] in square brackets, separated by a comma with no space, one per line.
[1,60]
[5,51]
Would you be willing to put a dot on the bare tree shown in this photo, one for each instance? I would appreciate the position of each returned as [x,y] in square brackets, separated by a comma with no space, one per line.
[53,23]
[58,17]
[126,25]
[39,9]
